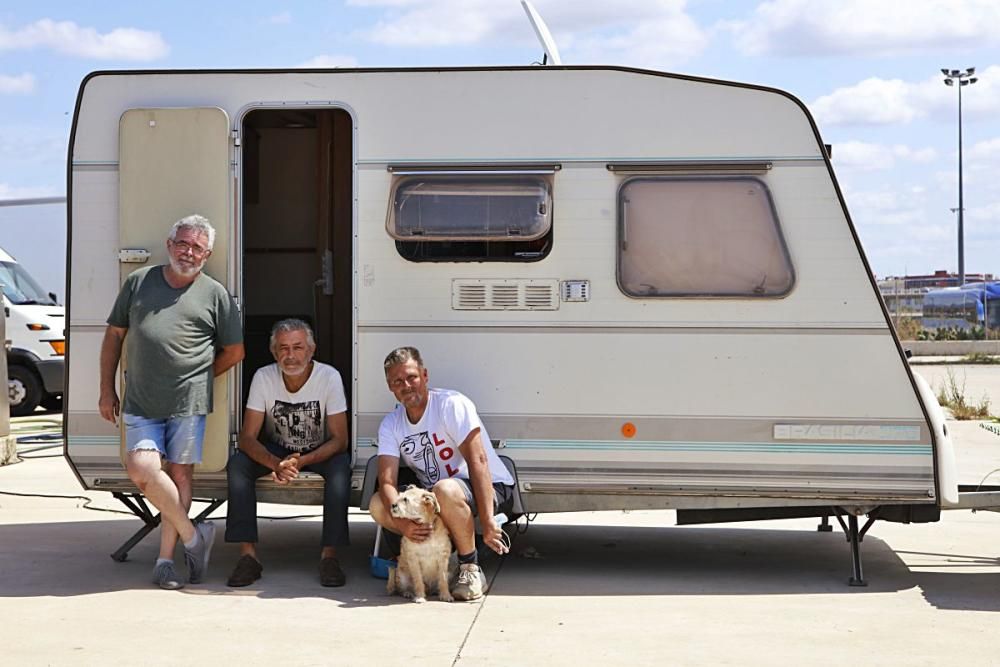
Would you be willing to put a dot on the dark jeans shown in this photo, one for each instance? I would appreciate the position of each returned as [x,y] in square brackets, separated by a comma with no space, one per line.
[242,473]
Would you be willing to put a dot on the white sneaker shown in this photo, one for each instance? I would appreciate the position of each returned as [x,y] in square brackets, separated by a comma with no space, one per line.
[469,585]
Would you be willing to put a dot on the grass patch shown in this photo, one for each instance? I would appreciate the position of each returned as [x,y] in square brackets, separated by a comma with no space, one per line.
[952,396]
[979,358]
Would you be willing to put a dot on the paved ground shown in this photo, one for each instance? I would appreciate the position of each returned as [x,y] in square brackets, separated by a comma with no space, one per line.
[607,588]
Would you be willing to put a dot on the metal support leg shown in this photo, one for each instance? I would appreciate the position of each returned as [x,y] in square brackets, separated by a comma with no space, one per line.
[824,526]
[857,578]
[137,505]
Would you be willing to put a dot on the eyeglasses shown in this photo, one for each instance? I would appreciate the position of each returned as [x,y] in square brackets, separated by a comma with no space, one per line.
[183,247]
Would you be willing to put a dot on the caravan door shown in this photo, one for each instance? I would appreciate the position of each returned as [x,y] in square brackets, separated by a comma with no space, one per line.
[172,163]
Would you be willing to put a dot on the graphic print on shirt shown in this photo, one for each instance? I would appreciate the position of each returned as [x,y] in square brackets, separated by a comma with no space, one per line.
[298,426]
[419,453]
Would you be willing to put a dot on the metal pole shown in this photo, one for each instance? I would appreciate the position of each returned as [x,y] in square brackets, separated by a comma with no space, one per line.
[961,205]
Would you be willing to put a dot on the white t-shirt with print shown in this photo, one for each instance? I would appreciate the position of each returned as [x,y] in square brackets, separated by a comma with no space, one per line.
[297,421]
[430,447]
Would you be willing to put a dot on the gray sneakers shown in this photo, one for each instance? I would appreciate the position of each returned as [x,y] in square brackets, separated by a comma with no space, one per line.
[165,576]
[197,557]
[469,585]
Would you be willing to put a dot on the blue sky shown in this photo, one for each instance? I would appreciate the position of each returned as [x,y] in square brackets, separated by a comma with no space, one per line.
[868,70]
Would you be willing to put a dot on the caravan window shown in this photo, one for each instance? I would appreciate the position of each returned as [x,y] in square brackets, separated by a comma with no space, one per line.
[471,217]
[700,236]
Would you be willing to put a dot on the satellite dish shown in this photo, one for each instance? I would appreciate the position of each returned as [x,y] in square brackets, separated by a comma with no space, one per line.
[543,34]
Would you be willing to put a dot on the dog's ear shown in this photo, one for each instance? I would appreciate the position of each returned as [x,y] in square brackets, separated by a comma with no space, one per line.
[408,487]
[432,500]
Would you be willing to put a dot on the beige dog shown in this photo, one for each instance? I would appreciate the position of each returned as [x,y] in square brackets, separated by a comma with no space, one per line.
[422,565]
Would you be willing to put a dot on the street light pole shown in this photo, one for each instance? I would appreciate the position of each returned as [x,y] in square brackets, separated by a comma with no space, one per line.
[963,79]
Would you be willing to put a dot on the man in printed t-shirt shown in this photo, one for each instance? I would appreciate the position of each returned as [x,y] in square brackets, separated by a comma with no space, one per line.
[438,435]
[295,419]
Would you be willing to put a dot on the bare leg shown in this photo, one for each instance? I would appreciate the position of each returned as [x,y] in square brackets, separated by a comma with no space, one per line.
[144,469]
[181,475]
[456,514]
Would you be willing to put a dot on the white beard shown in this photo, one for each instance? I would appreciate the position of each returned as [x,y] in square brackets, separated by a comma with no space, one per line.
[186,271]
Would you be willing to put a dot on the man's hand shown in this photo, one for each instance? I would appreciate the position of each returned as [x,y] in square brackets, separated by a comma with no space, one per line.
[109,405]
[418,532]
[493,537]
[287,469]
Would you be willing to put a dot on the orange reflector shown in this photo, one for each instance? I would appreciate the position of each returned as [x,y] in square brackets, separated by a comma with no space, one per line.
[58,345]
[628,429]
[38,327]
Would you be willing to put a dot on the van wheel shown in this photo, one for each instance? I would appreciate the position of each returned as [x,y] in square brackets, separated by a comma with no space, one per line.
[24,390]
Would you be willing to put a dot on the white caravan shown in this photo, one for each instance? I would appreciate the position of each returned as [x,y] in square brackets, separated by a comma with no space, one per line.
[35,322]
[648,283]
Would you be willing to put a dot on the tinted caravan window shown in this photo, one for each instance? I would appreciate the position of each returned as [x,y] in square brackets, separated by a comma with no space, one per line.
[447,217]
[700,236]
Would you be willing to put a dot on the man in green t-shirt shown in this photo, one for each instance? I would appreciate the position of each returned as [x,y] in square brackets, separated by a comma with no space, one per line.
[180,329]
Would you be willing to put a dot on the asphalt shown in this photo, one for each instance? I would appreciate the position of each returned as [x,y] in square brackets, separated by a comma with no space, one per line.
[578,589]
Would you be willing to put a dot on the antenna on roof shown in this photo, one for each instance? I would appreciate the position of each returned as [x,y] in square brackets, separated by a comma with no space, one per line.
[543,34]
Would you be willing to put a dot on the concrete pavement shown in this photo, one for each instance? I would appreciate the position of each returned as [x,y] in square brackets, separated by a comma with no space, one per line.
[606,588]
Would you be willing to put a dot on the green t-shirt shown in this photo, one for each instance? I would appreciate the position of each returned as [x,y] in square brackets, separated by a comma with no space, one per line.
[173,335]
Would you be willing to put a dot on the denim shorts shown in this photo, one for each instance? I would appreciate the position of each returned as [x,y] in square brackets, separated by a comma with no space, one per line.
[177,439]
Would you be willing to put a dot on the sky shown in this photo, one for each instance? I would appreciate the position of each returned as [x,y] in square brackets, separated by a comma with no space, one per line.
[869,71]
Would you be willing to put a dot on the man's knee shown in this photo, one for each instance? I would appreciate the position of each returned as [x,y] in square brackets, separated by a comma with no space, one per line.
[240,467]
[142,466]
[181,473]
[450,494]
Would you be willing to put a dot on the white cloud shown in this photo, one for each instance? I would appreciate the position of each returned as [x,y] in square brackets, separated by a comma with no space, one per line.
[284,18]
[636,32]
[855,27]
[884,207]
[70,39]
[877,101]
[869,157]
[18,192]
[17,85]
[325,61]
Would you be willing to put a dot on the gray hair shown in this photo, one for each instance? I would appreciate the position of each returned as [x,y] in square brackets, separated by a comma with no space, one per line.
[289,325]
[198,223]
[400,356]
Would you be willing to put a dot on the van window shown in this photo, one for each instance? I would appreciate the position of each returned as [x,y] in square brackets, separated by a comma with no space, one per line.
[471,217]
[700,236]
[20,288]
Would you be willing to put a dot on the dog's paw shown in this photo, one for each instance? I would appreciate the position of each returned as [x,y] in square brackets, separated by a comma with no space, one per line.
[446,597]
[420,600]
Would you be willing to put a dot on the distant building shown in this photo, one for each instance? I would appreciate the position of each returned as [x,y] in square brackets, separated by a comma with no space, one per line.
[904,295]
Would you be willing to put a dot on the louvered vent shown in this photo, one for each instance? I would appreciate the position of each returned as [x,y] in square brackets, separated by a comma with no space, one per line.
[503,294]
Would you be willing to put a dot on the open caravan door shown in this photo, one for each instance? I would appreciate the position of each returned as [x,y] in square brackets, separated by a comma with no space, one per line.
[175,162]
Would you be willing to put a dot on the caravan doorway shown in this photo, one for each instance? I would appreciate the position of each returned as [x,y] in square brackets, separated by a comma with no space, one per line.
[297,204]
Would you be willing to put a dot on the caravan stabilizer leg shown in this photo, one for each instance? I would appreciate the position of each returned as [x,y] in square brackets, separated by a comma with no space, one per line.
[857,578]
[855,537]
[824,525]
[137,505]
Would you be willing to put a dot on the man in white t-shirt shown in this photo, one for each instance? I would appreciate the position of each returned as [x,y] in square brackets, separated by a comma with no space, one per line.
[438,435]
[295,419]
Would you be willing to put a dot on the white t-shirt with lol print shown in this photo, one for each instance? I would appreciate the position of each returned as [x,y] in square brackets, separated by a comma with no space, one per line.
[430,447]
[297,421]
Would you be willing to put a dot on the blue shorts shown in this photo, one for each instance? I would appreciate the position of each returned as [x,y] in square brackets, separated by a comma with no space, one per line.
[177,439]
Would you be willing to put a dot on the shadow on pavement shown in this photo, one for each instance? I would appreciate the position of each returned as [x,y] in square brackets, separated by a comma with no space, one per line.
[70,559]
[609,560]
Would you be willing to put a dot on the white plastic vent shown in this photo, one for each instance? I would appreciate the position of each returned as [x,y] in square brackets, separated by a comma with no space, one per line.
[504,294]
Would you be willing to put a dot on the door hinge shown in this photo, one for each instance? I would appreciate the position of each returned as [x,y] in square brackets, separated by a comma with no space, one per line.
[236,138]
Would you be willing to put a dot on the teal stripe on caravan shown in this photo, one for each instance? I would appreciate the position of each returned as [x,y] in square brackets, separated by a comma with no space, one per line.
[751,447]
[93,440]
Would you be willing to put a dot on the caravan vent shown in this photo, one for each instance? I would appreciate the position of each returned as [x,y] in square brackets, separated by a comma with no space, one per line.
[503,294]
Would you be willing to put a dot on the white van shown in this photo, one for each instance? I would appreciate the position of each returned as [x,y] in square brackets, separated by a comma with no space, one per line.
[36,363]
